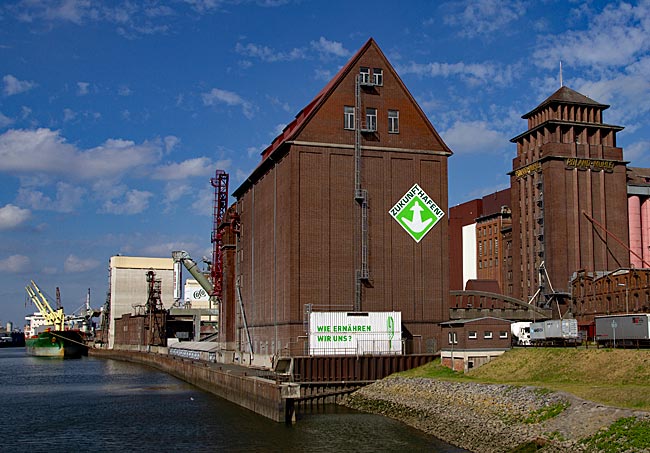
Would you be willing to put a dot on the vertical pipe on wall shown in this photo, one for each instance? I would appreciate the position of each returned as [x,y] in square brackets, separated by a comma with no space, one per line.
[275,258]
[634,221]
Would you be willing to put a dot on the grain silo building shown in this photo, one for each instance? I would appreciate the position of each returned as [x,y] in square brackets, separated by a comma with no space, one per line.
[346,213]
[569,196]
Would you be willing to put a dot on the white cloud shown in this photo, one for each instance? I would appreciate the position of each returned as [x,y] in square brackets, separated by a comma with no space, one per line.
[229,98]
[132,19]
[203,6]
[471,73]
[175,191]
[67,199]
[615,37]
[46,151]
[638,153]
[203,202]
[68,115]
[200,166]
[12,216]
[75,264]
[133,202]
[255,150]
[474,137]
[82,88]
[327,48]
[277,103]
[482,17]
[14,86]
[15,264]
[171,142]
[5,121]
[268,54]
[165,249]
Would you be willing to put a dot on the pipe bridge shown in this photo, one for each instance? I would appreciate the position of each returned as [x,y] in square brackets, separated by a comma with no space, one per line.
[478,304]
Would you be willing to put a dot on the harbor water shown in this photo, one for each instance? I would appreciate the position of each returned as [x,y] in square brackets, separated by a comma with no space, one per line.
[100,405]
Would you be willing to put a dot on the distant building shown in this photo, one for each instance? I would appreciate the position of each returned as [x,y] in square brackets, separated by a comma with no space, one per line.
[316,227]
[129,288]
[479,232]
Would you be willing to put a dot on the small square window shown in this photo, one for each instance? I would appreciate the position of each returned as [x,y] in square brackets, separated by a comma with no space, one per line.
[487,334]
[452,337]
[472,335]
[503,334]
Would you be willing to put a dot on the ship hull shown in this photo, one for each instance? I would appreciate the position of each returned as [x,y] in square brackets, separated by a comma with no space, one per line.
[59,344]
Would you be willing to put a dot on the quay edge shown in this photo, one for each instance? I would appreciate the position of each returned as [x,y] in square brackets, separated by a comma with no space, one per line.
[238,385]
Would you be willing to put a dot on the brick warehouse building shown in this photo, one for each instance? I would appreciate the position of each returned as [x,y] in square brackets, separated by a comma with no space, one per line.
[316,233]
[567,165]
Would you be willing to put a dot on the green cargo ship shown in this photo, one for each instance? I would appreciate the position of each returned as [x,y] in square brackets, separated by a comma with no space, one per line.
[65,344]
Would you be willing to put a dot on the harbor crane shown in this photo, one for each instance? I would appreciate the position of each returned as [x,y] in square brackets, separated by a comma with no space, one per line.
[55,318]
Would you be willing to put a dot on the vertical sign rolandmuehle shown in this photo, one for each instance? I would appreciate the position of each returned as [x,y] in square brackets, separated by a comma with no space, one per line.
[416,212]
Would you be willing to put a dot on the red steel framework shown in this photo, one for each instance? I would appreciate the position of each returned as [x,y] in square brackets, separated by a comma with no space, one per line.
[220,184]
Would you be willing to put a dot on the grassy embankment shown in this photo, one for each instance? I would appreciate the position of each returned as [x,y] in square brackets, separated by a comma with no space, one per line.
[619,377]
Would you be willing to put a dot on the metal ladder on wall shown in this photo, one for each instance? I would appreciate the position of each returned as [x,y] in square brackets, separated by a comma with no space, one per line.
[361,197]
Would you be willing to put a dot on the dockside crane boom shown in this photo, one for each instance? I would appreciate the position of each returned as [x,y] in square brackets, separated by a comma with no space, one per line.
[181,256]
[56,318]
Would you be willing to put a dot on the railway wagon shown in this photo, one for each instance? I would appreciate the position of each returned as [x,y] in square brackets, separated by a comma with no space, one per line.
[623,330]
[554,332]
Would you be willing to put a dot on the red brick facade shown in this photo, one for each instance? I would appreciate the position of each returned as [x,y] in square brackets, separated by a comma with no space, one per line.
[567,164]
[300,240]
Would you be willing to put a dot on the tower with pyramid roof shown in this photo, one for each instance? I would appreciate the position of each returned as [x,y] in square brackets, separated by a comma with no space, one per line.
[569,200]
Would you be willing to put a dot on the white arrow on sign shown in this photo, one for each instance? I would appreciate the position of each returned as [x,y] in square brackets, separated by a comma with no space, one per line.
[417,225]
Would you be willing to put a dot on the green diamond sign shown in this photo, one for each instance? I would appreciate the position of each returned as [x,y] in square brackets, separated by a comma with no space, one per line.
[416,212]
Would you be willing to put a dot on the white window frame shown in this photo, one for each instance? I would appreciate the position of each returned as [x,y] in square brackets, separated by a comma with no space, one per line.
[503,334]
[378,76]
[364,74]
[472,335]
[487,335]
[393,121]
[348,117]
[452,337]
[371,119]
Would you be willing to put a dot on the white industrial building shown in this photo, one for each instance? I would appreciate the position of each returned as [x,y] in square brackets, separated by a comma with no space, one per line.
[129,287]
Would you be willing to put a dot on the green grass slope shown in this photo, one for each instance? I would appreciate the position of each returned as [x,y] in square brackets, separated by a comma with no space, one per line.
[619,377]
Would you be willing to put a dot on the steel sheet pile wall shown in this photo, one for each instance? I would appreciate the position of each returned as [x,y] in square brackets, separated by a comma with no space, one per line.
[345,333]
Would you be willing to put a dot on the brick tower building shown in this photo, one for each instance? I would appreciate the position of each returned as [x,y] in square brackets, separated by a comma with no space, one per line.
[316,229]
[567,165]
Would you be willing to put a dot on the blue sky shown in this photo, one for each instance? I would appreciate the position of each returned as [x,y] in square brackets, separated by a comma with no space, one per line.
[114,115]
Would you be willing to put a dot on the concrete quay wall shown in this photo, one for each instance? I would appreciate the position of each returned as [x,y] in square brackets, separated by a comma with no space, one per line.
[262,396]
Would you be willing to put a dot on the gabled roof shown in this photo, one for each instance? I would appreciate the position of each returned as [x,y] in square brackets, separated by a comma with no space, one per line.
[308,112]
[566,95]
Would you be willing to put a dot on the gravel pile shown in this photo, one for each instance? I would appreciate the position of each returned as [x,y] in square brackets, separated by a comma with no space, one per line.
[487,417]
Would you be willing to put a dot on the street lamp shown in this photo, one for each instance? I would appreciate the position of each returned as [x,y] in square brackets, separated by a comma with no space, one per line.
[627,296]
